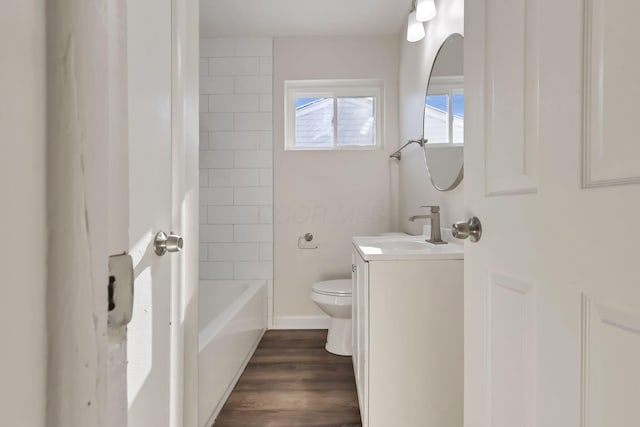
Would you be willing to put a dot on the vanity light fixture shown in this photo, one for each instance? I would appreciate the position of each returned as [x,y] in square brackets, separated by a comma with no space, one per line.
[425,10]
[415,28]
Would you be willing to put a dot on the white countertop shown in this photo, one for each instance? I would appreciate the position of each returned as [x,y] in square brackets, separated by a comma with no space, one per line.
[378,248]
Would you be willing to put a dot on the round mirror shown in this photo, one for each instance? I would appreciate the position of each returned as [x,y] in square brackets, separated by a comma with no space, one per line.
[443,128]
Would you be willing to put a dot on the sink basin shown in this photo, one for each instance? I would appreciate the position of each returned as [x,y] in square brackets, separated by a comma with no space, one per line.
[402,245]
[405,247]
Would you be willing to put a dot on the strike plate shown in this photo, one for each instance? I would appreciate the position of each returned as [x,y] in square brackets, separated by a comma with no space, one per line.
[120,290]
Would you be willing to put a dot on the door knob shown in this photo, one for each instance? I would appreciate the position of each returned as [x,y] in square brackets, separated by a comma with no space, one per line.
[163,243]
[471,229]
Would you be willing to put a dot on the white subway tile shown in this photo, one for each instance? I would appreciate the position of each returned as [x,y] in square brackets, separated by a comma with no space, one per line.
[203,215]
[234,66]
[204,252]
[216,196]
[212,270]
[253,233]
[217,121]
[216,233]
[217,47]
[266,251]
[234,252]
[233,177]
[266,101]
[216,85]
[216,159]
[253,159]
[204,103]
[266,177]
[266,214]
[204,67]
[234,103]
[204,141]
[270,313]
[266,66]
[233,214]
[270,289]
[254,46]
[253,196]
[253,121]
[252,270]
[265,140]
[204,178]
[247,140]
[253,84]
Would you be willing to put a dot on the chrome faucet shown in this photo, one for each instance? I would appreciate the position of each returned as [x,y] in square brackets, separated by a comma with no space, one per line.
[436,236]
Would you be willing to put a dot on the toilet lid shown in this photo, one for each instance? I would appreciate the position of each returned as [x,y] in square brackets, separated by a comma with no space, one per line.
[340,287]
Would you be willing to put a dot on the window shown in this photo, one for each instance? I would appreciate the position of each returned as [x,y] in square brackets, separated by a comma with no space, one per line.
[444,111]
[333,114]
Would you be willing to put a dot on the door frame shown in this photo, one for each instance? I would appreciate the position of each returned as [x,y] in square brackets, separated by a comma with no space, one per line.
[86,124]
[185,59]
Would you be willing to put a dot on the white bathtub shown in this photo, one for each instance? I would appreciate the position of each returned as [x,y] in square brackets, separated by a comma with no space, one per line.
[232,319]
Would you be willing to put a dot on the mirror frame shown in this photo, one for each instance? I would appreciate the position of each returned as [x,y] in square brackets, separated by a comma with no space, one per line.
[460,176]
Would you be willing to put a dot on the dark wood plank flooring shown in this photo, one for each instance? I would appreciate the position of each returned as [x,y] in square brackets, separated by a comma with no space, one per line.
[291,380]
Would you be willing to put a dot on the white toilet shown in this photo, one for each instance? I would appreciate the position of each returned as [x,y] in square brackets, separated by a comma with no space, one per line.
[334,298]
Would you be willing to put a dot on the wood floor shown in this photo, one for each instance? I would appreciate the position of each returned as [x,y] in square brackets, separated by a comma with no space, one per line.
[292,381]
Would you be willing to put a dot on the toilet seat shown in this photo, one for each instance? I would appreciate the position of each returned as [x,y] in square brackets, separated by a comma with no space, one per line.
[336,288]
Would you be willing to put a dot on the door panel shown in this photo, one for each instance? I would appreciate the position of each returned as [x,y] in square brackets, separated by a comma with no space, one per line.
[551,298]
[512,346]
[512,96]
[611,373]
[149,338]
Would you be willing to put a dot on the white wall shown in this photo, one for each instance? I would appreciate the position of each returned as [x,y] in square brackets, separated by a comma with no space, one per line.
[332,194]
[416,60]
[236,180]
[23,215]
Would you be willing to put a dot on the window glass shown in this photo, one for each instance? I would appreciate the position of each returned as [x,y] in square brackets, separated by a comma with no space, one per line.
[458,117]
[356,120]
[334,114]
[436,120]
[314,122]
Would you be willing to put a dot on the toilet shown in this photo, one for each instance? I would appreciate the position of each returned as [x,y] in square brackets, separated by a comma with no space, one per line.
[334,298]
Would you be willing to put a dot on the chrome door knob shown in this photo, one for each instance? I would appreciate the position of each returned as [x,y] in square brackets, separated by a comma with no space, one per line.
[163,243]
[471,229]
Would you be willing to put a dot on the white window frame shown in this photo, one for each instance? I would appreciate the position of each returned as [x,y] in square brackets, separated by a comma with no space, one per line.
[446,85]
[294,89]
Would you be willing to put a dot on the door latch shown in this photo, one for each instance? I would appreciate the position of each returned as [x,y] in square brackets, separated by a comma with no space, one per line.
[120,290]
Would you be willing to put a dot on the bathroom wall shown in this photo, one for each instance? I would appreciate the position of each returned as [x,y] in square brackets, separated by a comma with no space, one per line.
[332,194]
[23,149]
[236,190]
[416,60]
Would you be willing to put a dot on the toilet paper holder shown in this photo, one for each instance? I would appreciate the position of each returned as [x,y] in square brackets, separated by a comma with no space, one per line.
[305,242]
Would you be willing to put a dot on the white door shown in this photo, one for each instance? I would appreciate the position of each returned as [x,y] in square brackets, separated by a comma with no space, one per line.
[150,177]
[552,296]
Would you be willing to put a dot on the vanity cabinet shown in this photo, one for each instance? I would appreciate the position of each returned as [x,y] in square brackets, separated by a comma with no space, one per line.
[408,341]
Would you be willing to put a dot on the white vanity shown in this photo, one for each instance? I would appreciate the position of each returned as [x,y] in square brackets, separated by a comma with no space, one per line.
[408,331]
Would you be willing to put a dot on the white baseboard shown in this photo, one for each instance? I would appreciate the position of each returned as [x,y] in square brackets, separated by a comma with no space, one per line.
[301,322]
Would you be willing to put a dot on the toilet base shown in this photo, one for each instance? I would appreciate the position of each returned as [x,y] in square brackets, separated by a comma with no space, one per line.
[339,337]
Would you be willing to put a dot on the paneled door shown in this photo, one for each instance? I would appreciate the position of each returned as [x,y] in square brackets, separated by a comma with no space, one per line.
[162,347]
[150,348]
[552,169]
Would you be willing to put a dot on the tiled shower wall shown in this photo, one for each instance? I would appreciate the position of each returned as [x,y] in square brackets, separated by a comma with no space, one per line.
[236,175]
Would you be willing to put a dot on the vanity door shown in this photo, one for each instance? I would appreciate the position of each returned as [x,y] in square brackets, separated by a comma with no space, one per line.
[552,297]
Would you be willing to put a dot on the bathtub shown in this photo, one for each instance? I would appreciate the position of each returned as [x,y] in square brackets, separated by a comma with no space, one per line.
[232,318]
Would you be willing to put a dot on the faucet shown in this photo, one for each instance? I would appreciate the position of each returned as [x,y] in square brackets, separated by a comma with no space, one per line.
[436,237]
